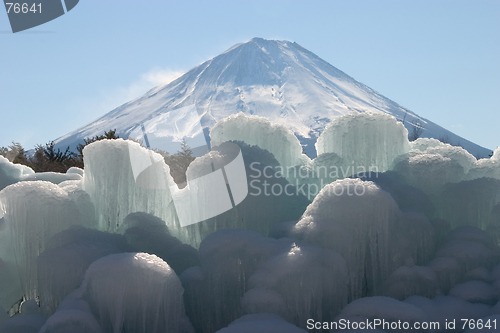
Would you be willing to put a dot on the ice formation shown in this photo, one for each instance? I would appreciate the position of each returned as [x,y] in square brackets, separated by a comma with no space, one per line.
[471,247]
[407,197]
[147,233]
[135,292]
[362,139]
[243,272]
[10,286]
[33,213]
[117,191]
[443,309]
[301,282]
[486,167]
[266,190]
[228,258]
[382,308]
[476,292]
[410,280]
[368,240]
[433,146]
[11,173]
[262,323]
[428,172]
[101,249]
[62,266]
[23,324]
[73,315]
[471,203]
[53,177]
[254,130]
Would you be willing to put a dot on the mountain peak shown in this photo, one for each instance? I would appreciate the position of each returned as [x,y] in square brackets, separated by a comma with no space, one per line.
[278,80]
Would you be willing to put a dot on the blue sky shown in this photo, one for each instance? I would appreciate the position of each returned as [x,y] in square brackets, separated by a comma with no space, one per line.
[437,58]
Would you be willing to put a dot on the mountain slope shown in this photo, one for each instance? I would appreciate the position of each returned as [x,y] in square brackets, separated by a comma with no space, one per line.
[279,80]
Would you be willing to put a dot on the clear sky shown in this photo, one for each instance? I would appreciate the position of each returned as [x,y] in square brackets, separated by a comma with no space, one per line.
[439,59]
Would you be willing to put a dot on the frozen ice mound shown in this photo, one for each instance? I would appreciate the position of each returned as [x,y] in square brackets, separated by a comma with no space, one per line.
[228,258]
[428,172]
[254,130]
[448,272]
[471,247]
[365,140]
[476,292]
[407,197]
[73,315]
[299,283]
[423,143]
[264,177]
[365,225]
[122,177]
[383,308]
[11,173]
[148,233]
[486,167]
[73,321]
[10,287]
[262,323]
[433,146]
[75,170]
[33,213]
[62,266]
[53,177]
[444,309]
[135,292]
[243,272]
[471,203]
[414,280]
[23,324]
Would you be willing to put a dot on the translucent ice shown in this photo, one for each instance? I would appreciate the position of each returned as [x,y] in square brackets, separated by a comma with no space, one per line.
[73,315]
[415,280]
[254,130]
[470,203]
[53,177]
[277,199]
[428,172]
[443,309]
[374,240]
[11,173]
[117,190]
[262,323]
[229,257]
[135,292]
[311,282]
[486,167]
[382,308]
[23,324]
[73,321]
[10,287]
[471,248]
[61,267]
[147,233]
[476,292]
[448,271]
[433,146]
[33,213]
[365,140]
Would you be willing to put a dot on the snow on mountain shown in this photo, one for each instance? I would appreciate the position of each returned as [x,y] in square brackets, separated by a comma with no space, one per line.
[279,80]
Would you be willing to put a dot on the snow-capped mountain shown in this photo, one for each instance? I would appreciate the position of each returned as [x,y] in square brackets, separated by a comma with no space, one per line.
[279,80]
